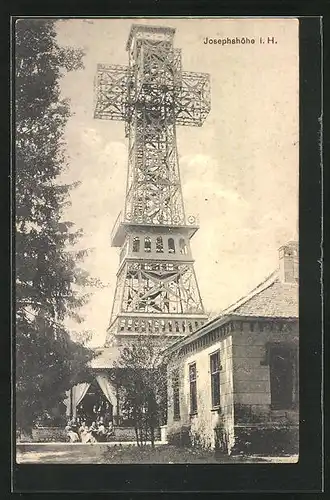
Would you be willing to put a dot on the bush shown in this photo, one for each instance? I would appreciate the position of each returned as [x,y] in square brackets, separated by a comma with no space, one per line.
[221,439]
[180,437]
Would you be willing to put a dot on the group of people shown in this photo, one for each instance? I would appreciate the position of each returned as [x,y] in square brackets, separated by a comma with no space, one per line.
[80,432]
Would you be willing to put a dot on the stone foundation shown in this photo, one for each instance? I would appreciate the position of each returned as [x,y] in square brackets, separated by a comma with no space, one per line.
[266,440]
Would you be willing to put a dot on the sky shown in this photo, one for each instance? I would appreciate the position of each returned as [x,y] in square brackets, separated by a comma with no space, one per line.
[239,171]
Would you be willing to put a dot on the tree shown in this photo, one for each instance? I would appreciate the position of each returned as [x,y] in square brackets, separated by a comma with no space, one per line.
[140,373]
[48,280]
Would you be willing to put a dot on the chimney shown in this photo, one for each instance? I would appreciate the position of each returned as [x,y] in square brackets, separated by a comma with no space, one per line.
[289,262]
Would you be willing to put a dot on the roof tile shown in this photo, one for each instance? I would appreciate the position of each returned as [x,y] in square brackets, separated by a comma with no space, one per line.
[270,299]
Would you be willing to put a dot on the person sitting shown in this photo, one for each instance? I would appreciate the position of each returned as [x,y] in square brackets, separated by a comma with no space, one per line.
[73,437]
[74,425]
[82,431]
[72,432]
[67,428]
[85,434]
[93,427]
[93,431]
[110,430]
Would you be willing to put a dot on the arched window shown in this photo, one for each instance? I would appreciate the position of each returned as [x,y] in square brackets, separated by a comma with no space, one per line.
[147,244]
[159,244]
[183,246]
[136,244]
[171,246]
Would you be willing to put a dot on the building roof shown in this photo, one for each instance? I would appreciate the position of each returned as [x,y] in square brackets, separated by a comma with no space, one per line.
[105,357]
[270,299]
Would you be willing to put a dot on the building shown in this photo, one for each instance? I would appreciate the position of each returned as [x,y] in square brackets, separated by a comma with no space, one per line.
[233,384]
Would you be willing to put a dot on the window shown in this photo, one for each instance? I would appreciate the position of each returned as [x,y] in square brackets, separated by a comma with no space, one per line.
[171,246]
[183,246]
[136,244]
[176,394]
[159,245]
[282,364]
[215,378]
[147,244]
[193,388]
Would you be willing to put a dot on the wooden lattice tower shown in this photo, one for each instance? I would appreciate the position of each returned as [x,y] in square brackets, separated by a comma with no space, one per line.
[156,291]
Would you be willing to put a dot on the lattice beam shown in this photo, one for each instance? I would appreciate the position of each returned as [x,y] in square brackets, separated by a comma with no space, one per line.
[193,101]
[111,85]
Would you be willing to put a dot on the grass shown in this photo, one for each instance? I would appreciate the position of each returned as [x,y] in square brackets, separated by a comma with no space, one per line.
[164,454]
[104,454]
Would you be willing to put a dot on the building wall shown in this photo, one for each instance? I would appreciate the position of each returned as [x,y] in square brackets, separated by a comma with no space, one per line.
[259,428]
[245,384]
[251,371]
[203,423]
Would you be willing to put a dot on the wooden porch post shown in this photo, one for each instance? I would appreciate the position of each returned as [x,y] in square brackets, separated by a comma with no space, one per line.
[118,406]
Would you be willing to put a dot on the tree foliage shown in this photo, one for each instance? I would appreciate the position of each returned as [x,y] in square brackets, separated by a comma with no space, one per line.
[48,279]
[141,375]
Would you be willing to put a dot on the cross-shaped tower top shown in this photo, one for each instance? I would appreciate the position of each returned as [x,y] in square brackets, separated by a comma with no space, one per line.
[152,95]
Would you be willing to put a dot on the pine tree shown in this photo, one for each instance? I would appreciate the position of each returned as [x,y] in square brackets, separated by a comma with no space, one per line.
[48,280]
